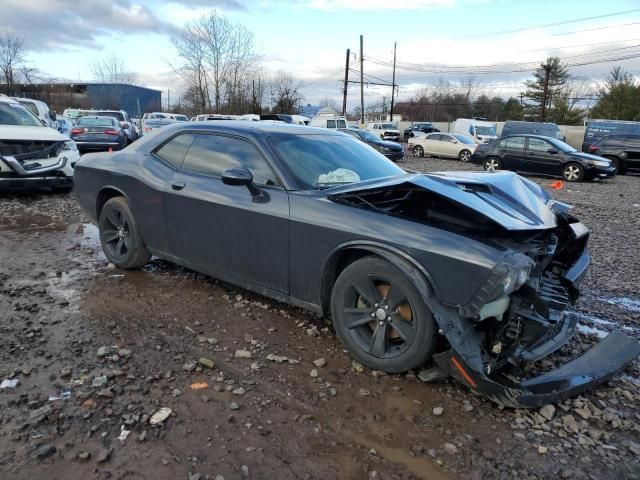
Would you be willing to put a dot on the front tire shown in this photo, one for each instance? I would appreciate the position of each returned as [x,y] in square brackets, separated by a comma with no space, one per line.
[418,151]
[492,164]
[380,316]
[573,172]
[617,164]
[120,237]
[464,156]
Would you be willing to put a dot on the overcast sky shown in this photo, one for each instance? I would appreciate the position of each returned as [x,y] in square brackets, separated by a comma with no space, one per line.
[309,37]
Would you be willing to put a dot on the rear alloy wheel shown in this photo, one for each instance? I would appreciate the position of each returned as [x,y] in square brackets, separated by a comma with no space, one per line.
[492,164]
[380,316]
[464,156]
[120,237]
[573,172]
[418,151]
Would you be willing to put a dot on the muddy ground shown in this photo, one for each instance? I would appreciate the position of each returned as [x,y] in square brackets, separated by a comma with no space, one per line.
[97,352]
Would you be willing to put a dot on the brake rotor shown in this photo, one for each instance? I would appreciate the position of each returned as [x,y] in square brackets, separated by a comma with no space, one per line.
[404,310]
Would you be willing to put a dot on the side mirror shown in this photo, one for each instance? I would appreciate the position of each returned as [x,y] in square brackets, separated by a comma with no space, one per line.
[552,151]
[237,176]
[242,176]
[125,125]
[52,115]
[43,122]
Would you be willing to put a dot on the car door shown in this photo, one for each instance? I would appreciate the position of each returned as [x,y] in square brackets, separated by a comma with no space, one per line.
[540,159]
[449,146]
[432,145]
[512,153]
[223,229]
[632,151]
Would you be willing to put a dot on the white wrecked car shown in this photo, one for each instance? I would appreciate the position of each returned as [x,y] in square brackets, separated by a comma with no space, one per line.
[32,155]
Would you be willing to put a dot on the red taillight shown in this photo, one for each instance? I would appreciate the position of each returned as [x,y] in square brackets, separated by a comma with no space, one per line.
[110,131]
[77,131]
[593,148]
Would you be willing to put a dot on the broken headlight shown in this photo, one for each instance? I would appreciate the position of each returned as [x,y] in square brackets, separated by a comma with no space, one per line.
[70,146]
[505,278]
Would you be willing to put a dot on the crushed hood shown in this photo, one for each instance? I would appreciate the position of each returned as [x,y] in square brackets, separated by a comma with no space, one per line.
[506,198]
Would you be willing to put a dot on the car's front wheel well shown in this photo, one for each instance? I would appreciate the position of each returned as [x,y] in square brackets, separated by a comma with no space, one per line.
[104,196]
[336,264]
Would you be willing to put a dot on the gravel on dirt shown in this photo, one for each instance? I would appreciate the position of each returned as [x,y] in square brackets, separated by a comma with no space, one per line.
[110,348]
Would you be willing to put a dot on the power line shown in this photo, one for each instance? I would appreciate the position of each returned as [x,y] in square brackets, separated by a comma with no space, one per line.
[595,28]
[554,24]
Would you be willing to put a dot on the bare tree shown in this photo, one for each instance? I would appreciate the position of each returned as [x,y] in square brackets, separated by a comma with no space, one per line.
[112,72]
[218,62]
[285,94]
[330,103]
[12,59]
[111,69]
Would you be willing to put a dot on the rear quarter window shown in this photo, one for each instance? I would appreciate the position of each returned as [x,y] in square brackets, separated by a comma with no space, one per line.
[174,151]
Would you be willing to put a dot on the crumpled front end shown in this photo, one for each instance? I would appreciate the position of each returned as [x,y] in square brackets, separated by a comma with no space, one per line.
[31,163]
[492,338]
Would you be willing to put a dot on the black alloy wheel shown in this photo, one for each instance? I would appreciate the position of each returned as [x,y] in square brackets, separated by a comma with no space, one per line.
[380,316]
[119,235]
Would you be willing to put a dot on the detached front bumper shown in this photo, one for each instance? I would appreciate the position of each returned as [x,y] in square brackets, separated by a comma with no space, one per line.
[596,366]
[15,174]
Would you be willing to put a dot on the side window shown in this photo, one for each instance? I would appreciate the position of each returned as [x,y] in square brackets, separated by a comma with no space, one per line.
[515,143]
[342,124]
[213,154]
[449,138]
[537,145]
[503,143]
[331,124]
[174,150]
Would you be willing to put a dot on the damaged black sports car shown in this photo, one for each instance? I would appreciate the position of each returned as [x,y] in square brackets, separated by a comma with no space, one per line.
[470,272]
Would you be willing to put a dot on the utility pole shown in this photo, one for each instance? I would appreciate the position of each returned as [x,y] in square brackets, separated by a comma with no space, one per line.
[545,91]
[253,96]
[361,85]
[346,82]
[168,98]
[393,81]
[521,99]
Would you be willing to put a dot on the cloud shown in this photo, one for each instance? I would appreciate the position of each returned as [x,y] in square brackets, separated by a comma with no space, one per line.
[369,5]
[53,24]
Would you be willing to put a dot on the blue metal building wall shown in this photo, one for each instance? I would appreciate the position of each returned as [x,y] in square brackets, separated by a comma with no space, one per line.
[124,97]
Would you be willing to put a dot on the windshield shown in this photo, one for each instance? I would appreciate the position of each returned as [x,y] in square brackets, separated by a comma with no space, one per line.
[16,114]
[181,118]
[31,106]
[322,161]
[389,126]
[560,145]
[482,130]
[464,139]
[369,136]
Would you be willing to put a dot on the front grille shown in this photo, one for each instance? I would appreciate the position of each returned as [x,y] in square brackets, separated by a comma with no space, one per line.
[30,149]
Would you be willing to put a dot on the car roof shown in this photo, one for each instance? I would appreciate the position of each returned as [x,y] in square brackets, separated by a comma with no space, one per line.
[104,117]
[253,128]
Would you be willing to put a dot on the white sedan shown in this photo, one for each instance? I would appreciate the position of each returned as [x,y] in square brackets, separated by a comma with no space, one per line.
[445,145]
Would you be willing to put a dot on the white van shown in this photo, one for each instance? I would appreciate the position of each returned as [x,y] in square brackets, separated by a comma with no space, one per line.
[480,131]
[385,130]
[40,110]
[329,121]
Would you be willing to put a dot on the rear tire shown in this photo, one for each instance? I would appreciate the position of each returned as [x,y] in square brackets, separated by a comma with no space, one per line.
[418,151]
[120,237]
[464,156]
[573,172]
[380,316]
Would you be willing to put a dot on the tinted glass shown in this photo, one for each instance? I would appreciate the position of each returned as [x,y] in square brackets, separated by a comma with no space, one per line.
[434,136]
[321,161]
[174,151]
[515,143]
[342,124]
[96,122]
[537,145]
[213,154]
[31,106]
[331,124]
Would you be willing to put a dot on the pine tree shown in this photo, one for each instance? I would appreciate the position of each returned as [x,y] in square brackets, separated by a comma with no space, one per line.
[619,99]
[558,77]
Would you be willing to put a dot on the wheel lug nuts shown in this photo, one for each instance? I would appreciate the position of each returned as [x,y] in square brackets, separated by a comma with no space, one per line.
[376,305]
[373,314]
[381,323]
[388,319]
